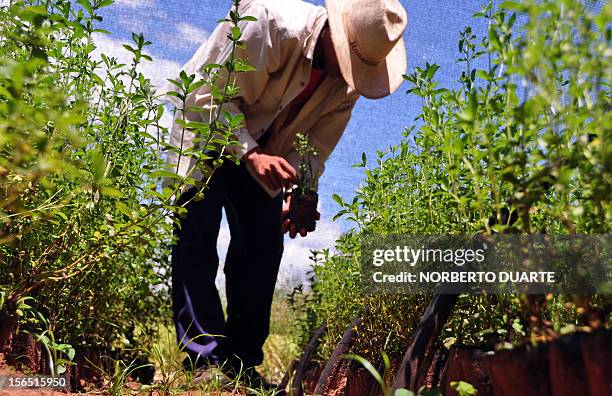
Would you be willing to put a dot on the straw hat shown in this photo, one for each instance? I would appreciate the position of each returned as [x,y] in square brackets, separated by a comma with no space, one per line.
[367,37]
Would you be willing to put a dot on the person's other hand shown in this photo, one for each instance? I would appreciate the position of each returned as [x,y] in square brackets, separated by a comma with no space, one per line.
[274,171]
[287,225]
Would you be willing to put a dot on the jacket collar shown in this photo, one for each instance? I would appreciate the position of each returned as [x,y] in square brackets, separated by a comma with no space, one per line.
[315,30]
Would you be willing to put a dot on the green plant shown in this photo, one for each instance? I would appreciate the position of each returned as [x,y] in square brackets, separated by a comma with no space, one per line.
[84,219]
[304,198]
[303,303]
[59,356]
[168,359]
[526,130]
[463,388]
[302,145]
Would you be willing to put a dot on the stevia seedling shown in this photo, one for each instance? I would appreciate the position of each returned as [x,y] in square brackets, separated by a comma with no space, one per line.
[304,197]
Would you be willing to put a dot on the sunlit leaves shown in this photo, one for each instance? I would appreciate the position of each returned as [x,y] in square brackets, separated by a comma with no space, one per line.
[83,154]
[526,129]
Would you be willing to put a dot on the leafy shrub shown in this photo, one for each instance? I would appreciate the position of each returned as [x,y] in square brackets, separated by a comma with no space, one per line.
[526,131]
[85,228]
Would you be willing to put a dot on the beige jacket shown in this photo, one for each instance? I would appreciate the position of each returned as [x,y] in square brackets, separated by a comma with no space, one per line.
[280,46]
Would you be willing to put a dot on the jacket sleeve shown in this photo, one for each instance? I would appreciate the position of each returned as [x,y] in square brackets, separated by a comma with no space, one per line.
[262,51]
[325,134]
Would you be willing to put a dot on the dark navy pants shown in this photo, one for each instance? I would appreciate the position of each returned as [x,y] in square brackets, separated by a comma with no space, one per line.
[251,268]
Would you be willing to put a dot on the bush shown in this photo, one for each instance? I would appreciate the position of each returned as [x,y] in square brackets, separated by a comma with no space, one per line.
[527,133]
[86,228]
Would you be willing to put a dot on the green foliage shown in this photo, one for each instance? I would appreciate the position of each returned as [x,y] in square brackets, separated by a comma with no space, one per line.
[59,355]
[85,226]
[526,130]
[463,388]
[306,151]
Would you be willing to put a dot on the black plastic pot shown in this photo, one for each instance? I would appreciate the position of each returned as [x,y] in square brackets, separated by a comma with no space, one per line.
[303,209]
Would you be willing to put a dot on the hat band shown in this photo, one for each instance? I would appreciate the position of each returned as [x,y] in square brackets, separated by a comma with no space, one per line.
[355,48]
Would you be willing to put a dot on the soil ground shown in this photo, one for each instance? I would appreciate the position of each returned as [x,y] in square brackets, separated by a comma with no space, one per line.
[6,370]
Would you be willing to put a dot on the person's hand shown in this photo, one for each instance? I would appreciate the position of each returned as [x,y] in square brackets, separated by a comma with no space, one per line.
[287,225]
[274,171]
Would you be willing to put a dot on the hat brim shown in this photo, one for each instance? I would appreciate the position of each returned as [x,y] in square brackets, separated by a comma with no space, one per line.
[373,82]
